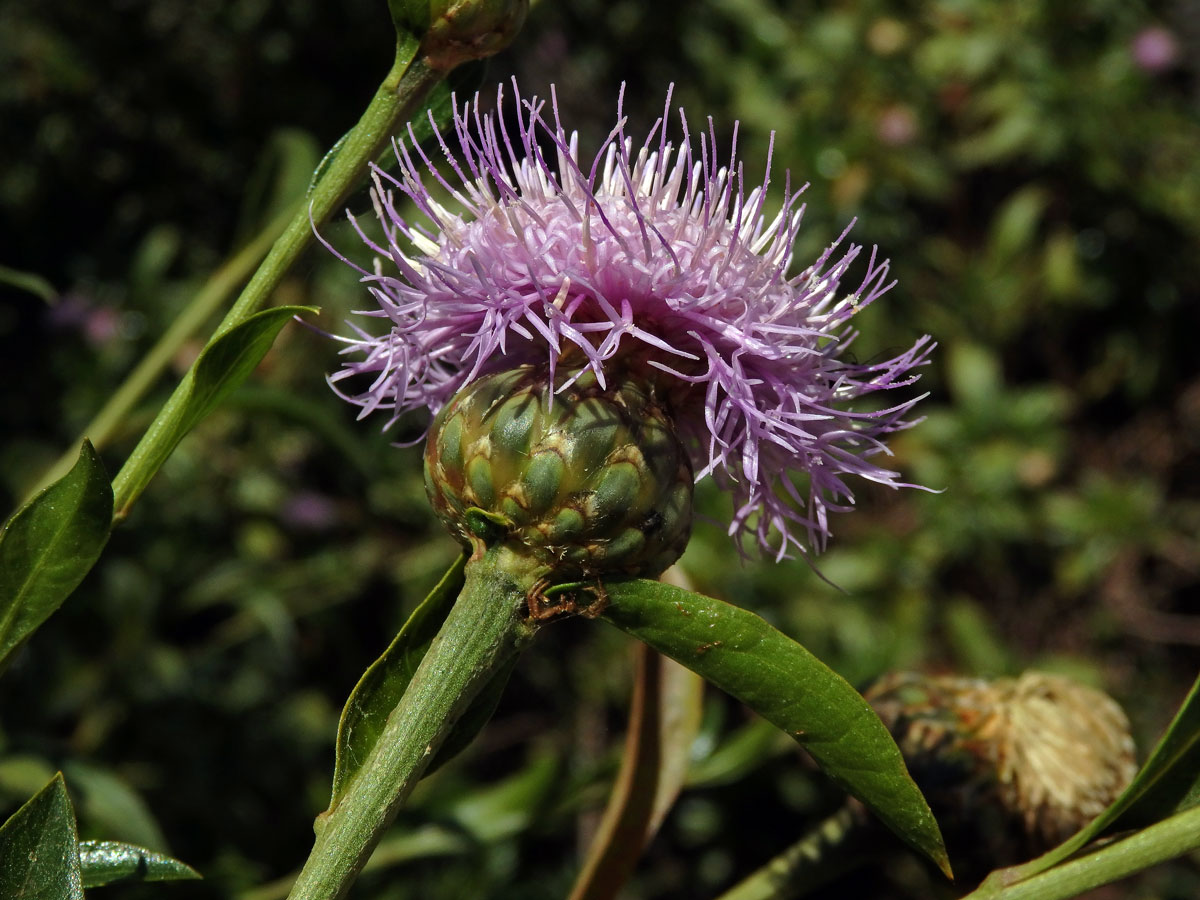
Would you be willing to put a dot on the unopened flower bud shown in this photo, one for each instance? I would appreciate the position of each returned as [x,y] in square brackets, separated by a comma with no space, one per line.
[458,31]
[1011,766]
[583,482]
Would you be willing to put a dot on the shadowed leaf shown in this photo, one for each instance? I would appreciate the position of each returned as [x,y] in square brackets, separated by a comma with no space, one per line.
[48,547]
[1169,782]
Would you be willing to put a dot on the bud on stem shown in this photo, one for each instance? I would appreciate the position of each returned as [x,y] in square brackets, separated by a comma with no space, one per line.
[575,481]
[1011,766]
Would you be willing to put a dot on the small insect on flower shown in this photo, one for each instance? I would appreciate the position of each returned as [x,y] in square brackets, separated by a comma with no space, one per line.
[653,262]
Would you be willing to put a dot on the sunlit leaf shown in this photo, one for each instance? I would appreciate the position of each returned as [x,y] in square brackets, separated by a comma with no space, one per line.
[743,655]
[39,854]
[223,365]
[48,547]
[105,862]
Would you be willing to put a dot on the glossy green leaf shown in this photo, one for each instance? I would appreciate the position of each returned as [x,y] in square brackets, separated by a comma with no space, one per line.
[105,862]
[223,365]
[39,853]
[384,682]
[48,547]
[743,655]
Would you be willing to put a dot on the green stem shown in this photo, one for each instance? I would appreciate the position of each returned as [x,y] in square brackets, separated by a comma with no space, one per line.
[484,630]
[814,860]
[1150,846]
[398,98]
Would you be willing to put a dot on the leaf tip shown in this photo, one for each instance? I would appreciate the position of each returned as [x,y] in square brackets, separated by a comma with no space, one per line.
[943,862]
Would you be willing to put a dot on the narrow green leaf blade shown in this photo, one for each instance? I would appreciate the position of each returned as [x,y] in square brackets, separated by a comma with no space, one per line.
[50,545]
[384,682]
[224,364]
[104,862]
[230,358]
[1169,782]
[1160,842]
[743,655]
[39,852]
[502,811]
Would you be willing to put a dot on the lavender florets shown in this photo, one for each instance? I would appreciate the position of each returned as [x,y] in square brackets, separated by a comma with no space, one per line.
[655,260]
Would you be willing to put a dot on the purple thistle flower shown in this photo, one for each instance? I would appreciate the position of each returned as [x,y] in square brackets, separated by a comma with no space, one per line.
[655,260]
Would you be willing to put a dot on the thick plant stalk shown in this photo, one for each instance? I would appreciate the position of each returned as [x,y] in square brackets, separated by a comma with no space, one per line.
[484,630]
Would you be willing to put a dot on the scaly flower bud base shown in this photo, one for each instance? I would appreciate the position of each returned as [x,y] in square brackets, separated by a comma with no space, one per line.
[574,481]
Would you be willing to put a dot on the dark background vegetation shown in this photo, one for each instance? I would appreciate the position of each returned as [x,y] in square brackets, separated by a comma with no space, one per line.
[1030,167]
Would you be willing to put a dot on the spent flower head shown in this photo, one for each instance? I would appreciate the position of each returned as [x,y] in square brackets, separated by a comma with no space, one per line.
[654,260]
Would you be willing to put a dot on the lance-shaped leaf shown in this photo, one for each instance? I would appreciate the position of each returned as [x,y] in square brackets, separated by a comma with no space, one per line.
[39,848]
[384,683]
[48,547]
[106,862]
[223,365]
[743,655]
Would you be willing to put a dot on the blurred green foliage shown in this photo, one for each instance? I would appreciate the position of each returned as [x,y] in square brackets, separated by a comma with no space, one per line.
[1030,168]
